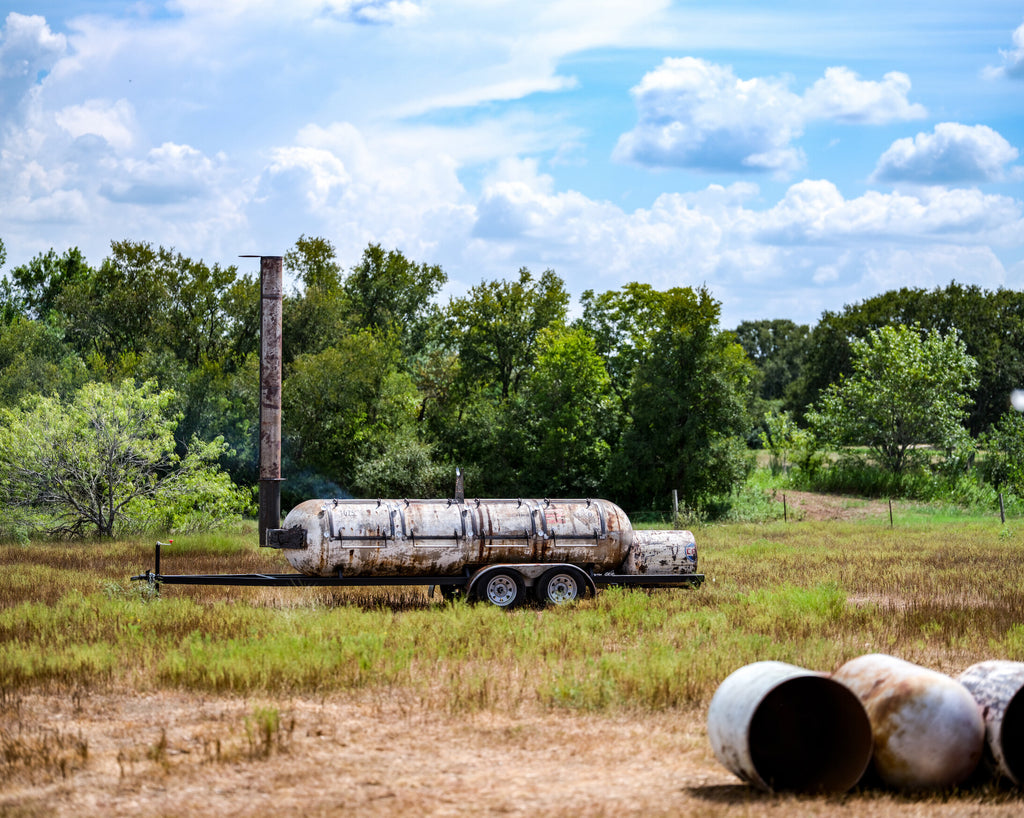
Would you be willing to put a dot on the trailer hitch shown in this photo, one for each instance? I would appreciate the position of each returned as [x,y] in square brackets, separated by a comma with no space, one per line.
[153,577]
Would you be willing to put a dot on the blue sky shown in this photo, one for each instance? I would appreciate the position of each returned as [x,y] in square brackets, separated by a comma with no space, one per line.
[791,156]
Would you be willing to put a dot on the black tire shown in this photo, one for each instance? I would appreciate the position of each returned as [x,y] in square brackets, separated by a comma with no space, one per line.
[501,588]
[560,586]
[450,592]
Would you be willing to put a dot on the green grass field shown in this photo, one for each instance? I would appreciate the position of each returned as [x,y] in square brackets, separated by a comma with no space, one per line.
[941,590]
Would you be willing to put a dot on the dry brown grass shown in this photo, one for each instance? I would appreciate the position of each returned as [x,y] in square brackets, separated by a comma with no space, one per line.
[216,701]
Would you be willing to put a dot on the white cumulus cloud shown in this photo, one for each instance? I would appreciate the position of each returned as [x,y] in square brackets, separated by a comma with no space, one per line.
[169,174]
[1013,58]
[696,114]
[952,154]
[843,96]
[815,211]
[28,48]
[357,188]
[113,122]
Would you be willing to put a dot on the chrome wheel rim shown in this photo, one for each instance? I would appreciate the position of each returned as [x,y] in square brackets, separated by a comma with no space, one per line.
[501,590]
[562,588]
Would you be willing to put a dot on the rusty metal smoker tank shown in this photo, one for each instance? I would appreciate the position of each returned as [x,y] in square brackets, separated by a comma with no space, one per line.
[443,537]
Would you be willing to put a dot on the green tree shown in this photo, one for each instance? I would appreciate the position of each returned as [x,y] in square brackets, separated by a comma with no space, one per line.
[314,262]
[777,348]
[908,388]
[194,321]
[783,440]
[316,314]
[349,403]
[40,283]
[991,325]
[623,324]
[106,462]
[35,359]
[10,305]
[115,311]
[688,410]
[405,467]
[495,327]
[1003,464]
[568,417]
[146,302]
[386,291]
[151,313]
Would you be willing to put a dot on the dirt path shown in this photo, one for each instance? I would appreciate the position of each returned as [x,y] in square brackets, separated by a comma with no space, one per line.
[808,506]
[175,755]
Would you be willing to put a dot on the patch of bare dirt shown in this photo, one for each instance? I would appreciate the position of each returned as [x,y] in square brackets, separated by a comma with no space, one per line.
[174,754]
[805,505]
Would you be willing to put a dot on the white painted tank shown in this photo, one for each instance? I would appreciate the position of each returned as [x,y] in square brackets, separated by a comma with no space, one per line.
[443,537]
[661,552]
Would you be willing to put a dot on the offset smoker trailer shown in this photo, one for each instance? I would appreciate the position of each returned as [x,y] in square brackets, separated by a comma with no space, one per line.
[502,584]
[495,550]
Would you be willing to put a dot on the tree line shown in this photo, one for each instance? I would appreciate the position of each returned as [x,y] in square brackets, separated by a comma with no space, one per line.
[386,389]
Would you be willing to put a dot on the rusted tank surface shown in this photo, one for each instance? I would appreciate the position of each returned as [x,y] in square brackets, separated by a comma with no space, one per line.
[781,727]
[661,552]
[998,688]
[928,731]
[443,537]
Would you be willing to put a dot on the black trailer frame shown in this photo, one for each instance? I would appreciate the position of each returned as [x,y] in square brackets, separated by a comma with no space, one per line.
[154,577]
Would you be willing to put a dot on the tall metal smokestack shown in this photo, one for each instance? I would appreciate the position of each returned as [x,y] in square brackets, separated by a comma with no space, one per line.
[271,294]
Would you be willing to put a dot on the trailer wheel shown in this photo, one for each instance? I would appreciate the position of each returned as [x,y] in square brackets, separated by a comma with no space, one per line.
[502,588]
[560,586]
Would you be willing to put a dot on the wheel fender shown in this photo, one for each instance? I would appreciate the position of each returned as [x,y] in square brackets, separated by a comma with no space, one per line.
[528,571]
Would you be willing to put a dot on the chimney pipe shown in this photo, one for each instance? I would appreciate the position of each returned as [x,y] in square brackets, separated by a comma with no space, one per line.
[271,295]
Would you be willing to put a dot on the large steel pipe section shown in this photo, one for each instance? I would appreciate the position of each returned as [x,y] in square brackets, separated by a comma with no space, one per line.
[998,688]
[442,538]
[781,727]
[927,728]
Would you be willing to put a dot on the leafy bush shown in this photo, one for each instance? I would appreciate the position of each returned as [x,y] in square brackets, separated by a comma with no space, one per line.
[106,462]
[1003,465]
[909,388]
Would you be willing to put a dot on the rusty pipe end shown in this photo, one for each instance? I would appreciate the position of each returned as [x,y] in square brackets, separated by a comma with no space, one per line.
[781,727]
